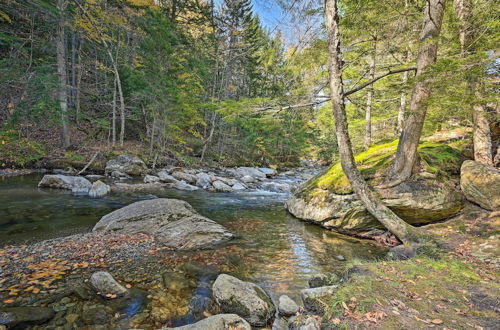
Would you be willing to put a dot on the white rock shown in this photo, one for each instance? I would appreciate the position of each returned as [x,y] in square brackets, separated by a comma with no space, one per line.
[99,189]
[106,285]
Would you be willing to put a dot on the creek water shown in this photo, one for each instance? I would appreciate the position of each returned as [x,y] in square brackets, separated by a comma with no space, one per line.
[284,251]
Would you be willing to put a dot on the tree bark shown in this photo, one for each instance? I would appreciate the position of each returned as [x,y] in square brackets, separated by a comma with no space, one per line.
[369,97]
[402,102]
[406,233]
[482,134]
[406,154]
[61,73]
[113,116]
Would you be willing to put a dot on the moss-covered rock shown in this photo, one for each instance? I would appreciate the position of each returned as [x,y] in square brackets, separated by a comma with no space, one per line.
[431,195]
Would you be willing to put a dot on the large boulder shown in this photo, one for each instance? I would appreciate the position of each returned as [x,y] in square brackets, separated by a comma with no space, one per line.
[246,299]
[76,184]
[328,200]
[217,322]
[127,164]
[249,171]
[182,176]
[171,221]
[221,187]
[481,184]
[23,317]
[99,189]
[203,180]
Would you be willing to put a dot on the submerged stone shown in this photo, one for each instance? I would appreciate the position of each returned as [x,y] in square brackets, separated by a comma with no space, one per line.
[217,322]
[22,317]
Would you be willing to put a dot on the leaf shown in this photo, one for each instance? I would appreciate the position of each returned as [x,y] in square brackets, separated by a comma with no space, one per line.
[128,286]
[335,321]
[437,321]
[8,301]
[345,306]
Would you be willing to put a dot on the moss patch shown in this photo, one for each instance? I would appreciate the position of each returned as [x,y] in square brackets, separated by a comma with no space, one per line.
[374,164]
[19,152]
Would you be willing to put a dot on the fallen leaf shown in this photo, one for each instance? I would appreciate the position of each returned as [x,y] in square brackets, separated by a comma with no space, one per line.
[437,321]
[8,301]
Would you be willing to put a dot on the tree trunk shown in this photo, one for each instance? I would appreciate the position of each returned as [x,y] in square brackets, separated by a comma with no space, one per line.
[369,96]
[78,83]
[406,153]
[402,102]
[482,134]
[113,116]
[406,233]
[61,73]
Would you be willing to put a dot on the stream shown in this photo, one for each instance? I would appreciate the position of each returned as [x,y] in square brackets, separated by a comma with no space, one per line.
[284,251]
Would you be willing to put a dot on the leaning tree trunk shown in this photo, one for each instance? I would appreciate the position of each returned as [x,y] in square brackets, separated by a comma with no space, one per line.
[369,98]
[61,73]
[406,154]
[482,134]
[406,233]
[402,102]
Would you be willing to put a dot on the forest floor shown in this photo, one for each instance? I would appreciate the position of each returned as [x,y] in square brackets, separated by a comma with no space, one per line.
[455,289]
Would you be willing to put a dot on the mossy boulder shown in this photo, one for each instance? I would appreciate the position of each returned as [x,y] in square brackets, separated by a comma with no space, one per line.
[432,195]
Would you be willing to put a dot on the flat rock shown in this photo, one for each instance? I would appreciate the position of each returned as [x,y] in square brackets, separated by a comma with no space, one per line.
[249,171]
[76,184]
[480,184]
[182,176]
[221,186]
[151,179]
[217,322]
[166,177]
[181,185]
[173,222]
[22,317]
[246,299]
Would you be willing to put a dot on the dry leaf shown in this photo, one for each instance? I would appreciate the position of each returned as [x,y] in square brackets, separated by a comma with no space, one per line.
[437,321]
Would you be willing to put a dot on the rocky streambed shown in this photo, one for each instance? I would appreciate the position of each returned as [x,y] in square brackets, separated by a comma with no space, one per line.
[167,286]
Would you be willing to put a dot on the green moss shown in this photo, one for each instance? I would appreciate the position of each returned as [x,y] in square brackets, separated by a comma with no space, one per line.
[375,162]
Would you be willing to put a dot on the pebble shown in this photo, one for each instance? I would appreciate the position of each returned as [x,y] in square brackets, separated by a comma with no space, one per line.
[340,258]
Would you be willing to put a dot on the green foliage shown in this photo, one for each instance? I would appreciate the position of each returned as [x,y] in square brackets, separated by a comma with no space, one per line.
[18,151]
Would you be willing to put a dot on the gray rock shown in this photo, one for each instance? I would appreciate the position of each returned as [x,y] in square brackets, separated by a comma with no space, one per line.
[128,164]
[247,179]
[402,252]
[217,322]
[287,306]
[198,270]
[340,258]
[203,180]
[181,185]
[94,176]
[99,189]
[314,298]
[221,187]
[249,171]
[151,179]
[76,184]
[120,175]
[166,177]
[182,176]
[238,187]
[246,299]
[104,284]
[481,184]
[173,222]
[276,187]
[22,317]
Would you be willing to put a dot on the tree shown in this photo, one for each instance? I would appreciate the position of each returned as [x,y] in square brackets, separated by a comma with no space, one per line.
[482,135]
[406,154]
[61,73]
[406,233]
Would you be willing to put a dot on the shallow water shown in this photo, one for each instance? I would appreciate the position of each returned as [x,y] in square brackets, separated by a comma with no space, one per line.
[283,250]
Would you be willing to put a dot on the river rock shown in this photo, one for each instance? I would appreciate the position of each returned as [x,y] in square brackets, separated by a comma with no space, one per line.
[238,187]
[151,179]
[287,306]
[23,317]
[182,176]
[481,184]
[99,189]
[246,299]
[76,184]
[314,298]
[249,171]
[318,280]
[276,187]
[106,285]
[127,164]
[203,180]
[173,222]
[217,322]
[181,185]
[166,177]
[221,187]
[120,175]
[247,179]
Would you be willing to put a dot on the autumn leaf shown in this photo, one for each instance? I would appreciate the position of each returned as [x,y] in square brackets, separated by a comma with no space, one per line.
[8,301]
[128,286]
[437,321]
